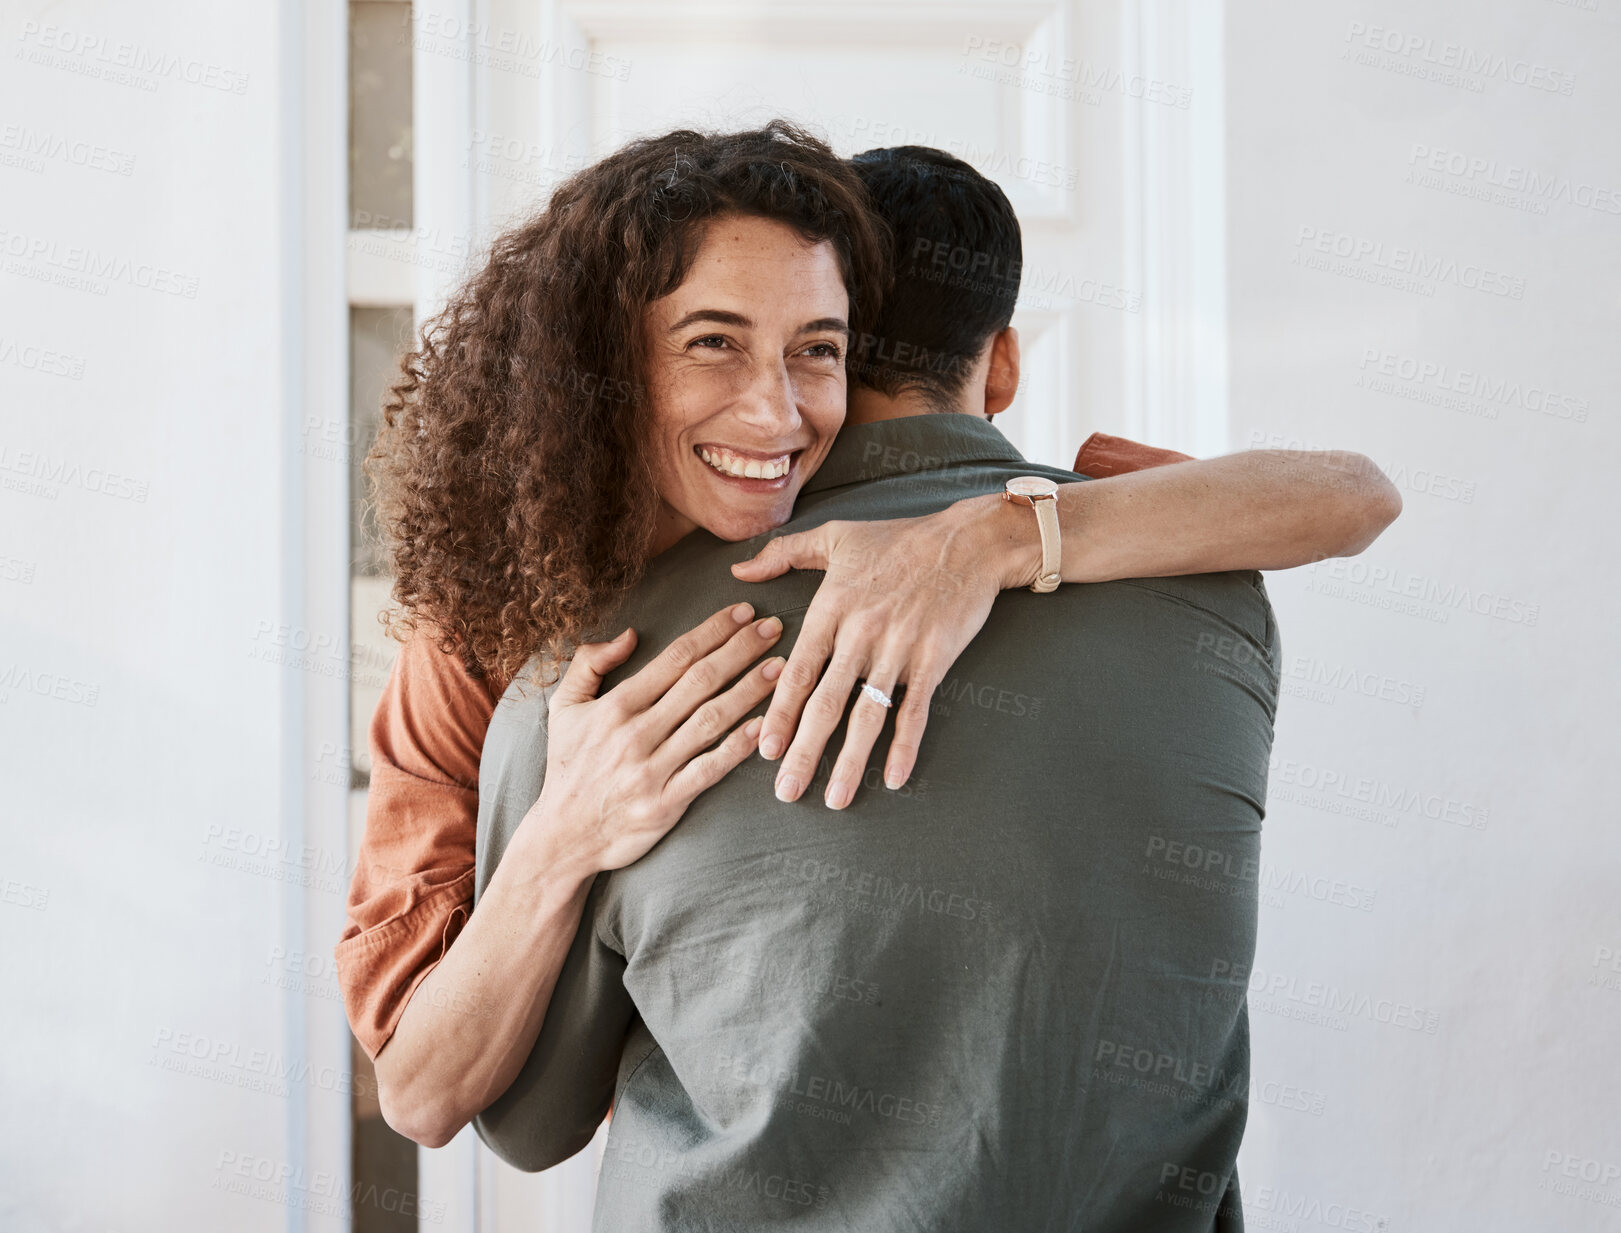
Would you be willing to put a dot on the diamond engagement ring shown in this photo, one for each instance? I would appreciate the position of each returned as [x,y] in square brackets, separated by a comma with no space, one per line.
[877,695]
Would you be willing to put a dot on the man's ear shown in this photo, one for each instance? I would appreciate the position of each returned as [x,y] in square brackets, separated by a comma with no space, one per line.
[1002,377]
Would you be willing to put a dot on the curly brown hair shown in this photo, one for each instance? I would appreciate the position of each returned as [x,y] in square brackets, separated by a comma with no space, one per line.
[512,474]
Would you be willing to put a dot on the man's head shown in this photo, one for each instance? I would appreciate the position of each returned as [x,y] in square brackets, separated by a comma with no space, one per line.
[942,341]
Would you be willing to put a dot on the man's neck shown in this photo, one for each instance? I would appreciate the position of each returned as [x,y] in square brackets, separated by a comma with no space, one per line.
[868,406]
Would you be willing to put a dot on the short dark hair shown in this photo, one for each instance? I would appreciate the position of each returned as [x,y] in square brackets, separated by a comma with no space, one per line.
[957,254]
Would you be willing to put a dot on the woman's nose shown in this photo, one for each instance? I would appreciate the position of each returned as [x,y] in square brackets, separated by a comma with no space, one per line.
[770,402]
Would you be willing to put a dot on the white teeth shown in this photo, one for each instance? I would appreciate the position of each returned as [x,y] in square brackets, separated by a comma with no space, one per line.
[728,463]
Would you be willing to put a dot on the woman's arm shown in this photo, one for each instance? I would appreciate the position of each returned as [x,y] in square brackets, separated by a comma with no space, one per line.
[621,770]
[1262,509]
[467,1027]
[412,887]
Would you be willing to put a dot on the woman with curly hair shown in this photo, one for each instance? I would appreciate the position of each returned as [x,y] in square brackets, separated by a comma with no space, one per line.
[581,405]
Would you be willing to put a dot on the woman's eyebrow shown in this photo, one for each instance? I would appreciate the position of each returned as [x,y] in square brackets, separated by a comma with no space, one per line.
[826,323]
[721,316]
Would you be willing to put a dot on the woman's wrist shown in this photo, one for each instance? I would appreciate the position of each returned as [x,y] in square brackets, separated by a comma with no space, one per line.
[1003,538]
[545,856]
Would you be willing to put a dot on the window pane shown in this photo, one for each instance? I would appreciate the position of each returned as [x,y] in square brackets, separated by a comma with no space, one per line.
[377,338]
[379,113]
[384,1163]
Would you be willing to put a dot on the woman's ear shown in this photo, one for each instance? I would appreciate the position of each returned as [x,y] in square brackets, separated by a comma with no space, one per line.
[1002,376]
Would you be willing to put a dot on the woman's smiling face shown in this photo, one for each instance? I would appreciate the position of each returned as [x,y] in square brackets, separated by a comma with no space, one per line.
[746,378]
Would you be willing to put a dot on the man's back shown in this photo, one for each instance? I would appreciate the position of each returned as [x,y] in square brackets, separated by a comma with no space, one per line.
[1006,996]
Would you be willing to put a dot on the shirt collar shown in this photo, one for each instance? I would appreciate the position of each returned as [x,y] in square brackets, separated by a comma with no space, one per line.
[910,444]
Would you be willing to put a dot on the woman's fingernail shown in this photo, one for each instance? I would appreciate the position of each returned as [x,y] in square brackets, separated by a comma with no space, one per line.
[752,728]
[838,795]
[742,612]
[772,668]
[771,747]
[769,628]
[893,779]
[787,789]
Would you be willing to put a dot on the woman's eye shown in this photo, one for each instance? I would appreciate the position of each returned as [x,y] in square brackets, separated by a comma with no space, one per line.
[828,351]
[711,341]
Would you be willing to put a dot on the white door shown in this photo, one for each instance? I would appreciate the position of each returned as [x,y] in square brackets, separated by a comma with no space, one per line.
[1101,121]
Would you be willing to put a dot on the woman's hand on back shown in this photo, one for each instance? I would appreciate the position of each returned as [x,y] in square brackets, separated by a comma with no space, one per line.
[901,600]
[622,768]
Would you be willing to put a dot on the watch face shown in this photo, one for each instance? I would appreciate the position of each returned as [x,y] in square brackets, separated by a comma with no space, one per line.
[1031,486]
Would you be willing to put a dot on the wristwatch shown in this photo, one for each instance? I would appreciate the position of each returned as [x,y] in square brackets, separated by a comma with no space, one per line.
[1041,495]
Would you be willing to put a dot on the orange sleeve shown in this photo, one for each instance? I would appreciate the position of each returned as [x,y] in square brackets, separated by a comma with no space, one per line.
[1101,456]
[412,888]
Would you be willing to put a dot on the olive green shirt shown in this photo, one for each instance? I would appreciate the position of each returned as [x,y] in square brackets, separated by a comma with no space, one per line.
[1007,996]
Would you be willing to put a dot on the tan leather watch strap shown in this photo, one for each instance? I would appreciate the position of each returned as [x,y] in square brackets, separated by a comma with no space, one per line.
[1052,555]
[1041,495]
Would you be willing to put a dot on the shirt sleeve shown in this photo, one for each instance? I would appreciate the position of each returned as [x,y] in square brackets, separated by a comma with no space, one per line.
[412,887]
[1102,455]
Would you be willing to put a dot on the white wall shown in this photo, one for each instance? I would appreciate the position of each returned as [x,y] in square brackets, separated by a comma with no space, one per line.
[154,830]
[1463,670]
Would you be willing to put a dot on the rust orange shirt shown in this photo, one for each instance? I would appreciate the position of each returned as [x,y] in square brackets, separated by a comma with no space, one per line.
[412,887]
